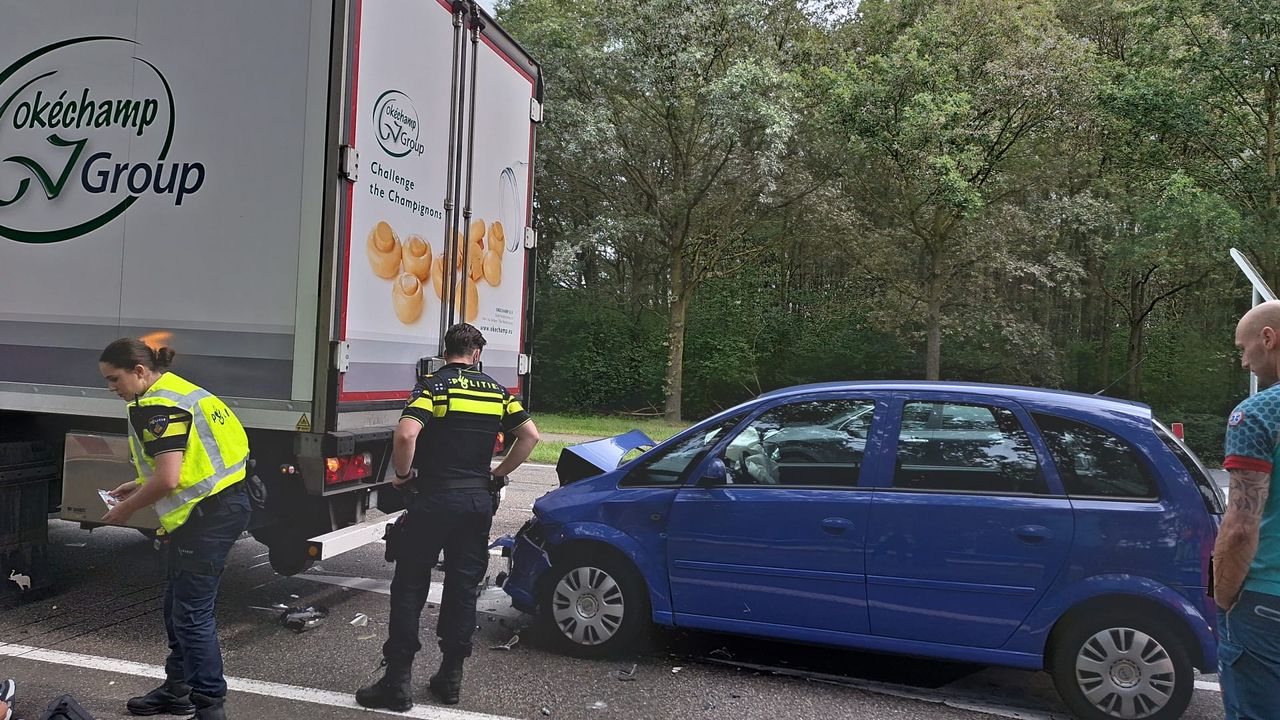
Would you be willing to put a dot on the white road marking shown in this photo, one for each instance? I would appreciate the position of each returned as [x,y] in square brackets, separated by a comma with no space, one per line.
[492,603]
[1208,685]
[236,685]
[382,587]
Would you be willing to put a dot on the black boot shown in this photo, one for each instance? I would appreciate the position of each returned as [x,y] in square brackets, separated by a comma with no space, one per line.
[208,708]
[392,691]
[446,684]
[173,697]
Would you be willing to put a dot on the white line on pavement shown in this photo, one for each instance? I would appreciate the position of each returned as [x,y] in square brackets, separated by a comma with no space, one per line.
[382,587]
[238,685]
[1208,685]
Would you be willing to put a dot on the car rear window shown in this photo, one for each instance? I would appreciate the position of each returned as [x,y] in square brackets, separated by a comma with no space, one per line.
[1210,493]
[1094,463]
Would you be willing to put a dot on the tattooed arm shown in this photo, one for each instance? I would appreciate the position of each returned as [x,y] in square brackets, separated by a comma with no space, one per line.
[1238,536]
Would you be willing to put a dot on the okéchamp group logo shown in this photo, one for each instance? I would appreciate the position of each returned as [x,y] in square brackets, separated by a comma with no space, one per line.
[396,120]
[74,116]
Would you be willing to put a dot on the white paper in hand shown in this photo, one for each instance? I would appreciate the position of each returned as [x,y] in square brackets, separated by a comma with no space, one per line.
[108,499]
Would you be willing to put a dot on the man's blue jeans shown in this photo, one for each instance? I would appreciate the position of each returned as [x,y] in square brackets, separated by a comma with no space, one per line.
[196,554]
[1249,657]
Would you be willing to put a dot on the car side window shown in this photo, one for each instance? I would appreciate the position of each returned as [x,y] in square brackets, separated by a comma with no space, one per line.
[667,466]
[1094,462]
[958,447]
[817,443]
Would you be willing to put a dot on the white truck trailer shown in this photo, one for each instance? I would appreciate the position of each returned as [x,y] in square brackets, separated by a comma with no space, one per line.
[298,196]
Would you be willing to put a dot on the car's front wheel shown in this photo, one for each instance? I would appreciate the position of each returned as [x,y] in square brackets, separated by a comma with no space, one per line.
[1122,665]
[594,604]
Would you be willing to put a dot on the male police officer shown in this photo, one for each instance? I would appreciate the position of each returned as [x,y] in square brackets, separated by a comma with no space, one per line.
[442,450]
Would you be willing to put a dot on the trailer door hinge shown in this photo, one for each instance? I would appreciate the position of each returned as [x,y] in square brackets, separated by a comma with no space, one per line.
[349,161]
[530,238]
[342,356]
[535,110]
[523,363]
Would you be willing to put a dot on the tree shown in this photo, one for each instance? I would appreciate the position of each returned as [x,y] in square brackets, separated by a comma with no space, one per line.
[671,120]
[942,104]
[1204,99]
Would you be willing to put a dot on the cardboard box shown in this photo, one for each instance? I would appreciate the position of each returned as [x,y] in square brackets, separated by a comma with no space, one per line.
[93,462]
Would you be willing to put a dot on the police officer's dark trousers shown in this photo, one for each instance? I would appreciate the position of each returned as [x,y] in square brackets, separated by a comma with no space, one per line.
[458,522]
[197,552]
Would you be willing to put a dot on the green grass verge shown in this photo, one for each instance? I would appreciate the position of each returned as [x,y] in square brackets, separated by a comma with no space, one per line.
[605,425]
[547,452]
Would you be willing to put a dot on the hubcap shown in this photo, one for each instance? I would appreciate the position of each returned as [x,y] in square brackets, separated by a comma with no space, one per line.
[1125,673]
[587,605]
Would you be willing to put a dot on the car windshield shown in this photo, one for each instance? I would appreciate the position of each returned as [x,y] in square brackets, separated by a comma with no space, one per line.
[667,465]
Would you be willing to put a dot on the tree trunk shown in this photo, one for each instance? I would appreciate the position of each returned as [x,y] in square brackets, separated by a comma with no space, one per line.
[933,348]
[1137,348]
[1104,371]
[675,341]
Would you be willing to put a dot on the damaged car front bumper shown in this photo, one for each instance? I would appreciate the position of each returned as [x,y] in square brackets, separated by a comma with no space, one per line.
[529,560]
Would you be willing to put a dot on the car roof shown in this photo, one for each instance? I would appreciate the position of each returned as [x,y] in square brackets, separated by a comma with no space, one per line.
[1029,395]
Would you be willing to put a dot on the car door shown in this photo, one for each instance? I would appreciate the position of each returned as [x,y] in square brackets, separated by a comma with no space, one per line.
[965,533]
[775,546]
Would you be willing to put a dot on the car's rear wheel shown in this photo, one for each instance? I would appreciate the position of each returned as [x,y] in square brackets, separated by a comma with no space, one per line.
[1122,665]
[594,604]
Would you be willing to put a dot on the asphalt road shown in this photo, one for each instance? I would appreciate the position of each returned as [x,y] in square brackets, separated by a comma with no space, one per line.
[97,634]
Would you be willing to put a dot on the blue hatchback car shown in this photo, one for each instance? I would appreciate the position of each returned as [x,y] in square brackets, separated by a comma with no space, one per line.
[1009,526]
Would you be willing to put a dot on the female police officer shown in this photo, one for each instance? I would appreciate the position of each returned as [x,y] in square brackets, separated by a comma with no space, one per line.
[189,451]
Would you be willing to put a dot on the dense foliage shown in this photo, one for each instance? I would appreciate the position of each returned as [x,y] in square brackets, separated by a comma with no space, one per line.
[736,195]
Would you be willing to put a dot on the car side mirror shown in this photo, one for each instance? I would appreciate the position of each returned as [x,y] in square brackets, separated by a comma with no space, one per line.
[714,474]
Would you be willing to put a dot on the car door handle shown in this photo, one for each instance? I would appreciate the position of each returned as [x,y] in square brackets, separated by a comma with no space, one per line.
[1032,534]
[836,525]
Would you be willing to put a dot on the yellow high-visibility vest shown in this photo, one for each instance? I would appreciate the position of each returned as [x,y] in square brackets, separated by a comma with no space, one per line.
[215,455]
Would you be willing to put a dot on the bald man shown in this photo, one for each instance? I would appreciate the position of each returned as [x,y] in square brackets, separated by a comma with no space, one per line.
[1246,558]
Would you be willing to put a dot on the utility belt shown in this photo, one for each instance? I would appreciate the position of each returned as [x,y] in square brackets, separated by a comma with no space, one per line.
[394,535]
[218,501]
[426,485]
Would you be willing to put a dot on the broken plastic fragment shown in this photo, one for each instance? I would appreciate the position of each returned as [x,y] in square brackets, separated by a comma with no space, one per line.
[627,675]
[599,705]
[546,711]
[676,669]
[303,619]
[508,644]
[23,581]
[370,636]
[360,620]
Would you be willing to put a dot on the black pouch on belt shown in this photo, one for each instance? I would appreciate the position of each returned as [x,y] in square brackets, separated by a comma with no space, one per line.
[394,538]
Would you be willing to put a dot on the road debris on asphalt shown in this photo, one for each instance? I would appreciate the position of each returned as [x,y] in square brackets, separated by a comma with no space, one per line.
[360,620]
[303,619]
[676,669]
[508,644]
[546,711]
[599,705]
[627,675]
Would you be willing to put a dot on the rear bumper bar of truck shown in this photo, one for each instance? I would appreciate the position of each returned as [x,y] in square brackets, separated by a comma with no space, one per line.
[330,544]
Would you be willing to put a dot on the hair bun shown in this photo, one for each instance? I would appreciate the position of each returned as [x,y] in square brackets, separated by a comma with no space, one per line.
[163,356]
